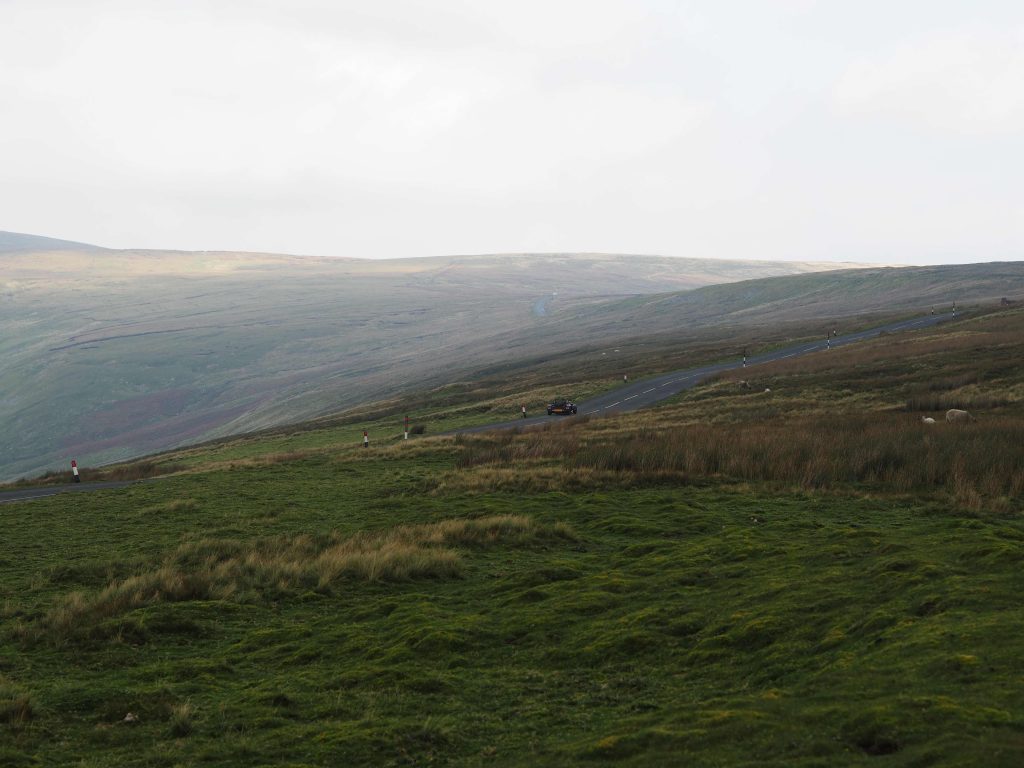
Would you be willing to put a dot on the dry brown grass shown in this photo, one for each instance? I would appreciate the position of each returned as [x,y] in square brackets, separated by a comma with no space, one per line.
[979,465]
[181,719]
[15,704]
[227,569]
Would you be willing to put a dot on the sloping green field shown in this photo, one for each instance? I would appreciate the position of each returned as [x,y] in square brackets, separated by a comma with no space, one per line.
[538,599]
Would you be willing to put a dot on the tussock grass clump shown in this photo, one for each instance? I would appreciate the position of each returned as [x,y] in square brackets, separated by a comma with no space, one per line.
[252,571]
[138,470]
[15,704]
[181,719]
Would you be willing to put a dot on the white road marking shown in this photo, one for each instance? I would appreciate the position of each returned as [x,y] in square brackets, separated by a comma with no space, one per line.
[648,390]
[631,397]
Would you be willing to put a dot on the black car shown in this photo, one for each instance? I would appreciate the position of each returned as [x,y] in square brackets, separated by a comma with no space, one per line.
[562,406]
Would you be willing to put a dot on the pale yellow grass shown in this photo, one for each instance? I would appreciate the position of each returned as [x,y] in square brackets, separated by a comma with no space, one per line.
[227,569]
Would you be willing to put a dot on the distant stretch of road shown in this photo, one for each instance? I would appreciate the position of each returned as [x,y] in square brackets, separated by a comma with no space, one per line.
[24,494]
[629,397]
[647,392]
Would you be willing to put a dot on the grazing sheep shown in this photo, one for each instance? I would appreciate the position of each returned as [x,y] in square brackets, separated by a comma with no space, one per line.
[927,420]
[767,390]
[954,415]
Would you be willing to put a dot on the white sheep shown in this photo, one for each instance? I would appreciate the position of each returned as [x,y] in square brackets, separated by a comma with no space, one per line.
[766,389]
[954,415]
[927,420]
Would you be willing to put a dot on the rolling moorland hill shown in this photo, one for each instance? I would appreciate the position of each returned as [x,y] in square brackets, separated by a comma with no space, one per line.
[106,354]
[805,577]
[18,241]
[650,334]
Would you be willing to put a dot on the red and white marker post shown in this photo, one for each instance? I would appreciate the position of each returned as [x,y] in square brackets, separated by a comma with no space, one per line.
[524,411]
[74,471]
[366,439]
[406,427]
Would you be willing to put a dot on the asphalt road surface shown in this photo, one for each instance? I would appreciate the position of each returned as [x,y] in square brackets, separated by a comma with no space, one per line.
[630,397]
[24,494]
[647,392]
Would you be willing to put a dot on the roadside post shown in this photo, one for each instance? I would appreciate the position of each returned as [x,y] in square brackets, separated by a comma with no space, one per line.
[406,427]
[828,341]
[366,439]
[744,358]
[524,411]
[74,471]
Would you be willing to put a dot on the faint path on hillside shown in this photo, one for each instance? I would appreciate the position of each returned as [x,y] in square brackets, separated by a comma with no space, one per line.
[540,306]
[631,397]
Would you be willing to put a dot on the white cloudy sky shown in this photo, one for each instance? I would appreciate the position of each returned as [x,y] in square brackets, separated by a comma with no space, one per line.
[866,130]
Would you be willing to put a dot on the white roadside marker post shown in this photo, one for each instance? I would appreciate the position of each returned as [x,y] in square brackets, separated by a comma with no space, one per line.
[828,341]
[74,471]
[366,439]
[406,427]
[744,358]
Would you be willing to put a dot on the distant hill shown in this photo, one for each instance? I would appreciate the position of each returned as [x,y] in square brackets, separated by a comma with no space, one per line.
[842,293]
[17,241]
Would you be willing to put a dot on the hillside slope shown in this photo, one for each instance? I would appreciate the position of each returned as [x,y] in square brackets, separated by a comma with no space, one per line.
[19,241]
[864,292]
[109,354]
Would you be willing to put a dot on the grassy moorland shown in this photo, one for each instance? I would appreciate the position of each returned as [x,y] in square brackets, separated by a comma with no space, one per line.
[806,577]
[107,354]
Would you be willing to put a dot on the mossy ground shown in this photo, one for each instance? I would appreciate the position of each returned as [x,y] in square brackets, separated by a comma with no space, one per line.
[685,625]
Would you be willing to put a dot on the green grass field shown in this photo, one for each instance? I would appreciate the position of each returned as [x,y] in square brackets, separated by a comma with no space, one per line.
[545,598]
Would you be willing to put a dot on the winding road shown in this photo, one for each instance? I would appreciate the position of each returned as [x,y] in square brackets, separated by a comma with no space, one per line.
[631,397]
[647,392]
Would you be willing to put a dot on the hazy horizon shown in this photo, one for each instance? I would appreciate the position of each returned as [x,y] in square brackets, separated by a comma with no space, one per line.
[791,131]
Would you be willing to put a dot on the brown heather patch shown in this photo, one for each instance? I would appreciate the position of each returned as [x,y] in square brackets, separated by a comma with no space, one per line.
[138,470]
[262,460]
[251,571]
[527,478]
[980,465]
[951,350]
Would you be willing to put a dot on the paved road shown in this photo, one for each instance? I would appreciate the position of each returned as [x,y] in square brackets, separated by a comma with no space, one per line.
[647,392]
[24,494]
[630,397]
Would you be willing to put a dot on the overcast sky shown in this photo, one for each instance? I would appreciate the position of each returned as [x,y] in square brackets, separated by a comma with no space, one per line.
[888,131]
